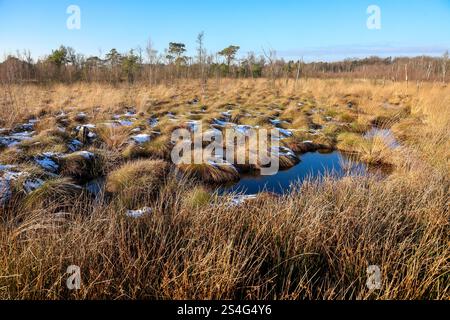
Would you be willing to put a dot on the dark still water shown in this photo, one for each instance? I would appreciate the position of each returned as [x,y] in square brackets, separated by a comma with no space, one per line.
[313,164]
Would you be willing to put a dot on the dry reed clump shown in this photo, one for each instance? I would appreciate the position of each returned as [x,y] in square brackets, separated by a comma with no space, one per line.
[158,147]
[350,142]
[374,150]
[247,160]
[197,197]
[359,126]
[17,181]
[409,130]
[113,138]
[135,180]
[242,156]
[297,117]
[200,165]
[300,145]
[135,151]
[262,121]
[50,140]
[285,161]
[82,165]
[209,172]
[386,118]
[167,127]
[12,156]
[57,193]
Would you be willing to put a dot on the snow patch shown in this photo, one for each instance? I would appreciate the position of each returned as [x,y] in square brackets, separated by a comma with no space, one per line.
[241,199]
[153,122]
[8,176]
[32,184]
[218,162]
[126,122]
[88,126]
[139,213]
[15,138]
[75,145]
[284,133]
[141,138]
[85,154]
[282,151]
[47,162]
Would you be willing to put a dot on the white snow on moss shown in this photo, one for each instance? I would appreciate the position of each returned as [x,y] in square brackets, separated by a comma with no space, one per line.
[32,184]
[138,213]
[241,199]
[85,154]
[75,145]
[47,161]
[153,122]
[141,138]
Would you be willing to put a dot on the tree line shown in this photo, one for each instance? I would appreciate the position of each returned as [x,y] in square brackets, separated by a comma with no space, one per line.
[150,66]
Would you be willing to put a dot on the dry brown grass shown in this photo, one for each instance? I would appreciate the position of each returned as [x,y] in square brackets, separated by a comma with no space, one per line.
[83,165]
[200,164]
[115,138]
[159,147]
[314,243]
[134,180]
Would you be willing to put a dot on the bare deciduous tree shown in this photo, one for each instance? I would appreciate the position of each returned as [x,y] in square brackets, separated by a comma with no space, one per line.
[201,54]
[444,66]
[152,59]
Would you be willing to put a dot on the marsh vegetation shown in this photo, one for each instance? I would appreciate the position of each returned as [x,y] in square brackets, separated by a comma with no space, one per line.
[86,179]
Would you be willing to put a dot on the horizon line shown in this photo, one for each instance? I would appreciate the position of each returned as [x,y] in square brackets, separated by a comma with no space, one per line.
[307,54]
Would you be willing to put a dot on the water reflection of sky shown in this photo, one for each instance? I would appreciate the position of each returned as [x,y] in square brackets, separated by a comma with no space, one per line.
[312,164]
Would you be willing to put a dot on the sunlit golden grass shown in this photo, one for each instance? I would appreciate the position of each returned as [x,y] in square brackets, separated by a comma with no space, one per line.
[137,179]
[49,140]
[254,121]
[115,138]
[286,162]
[209,173]
[159,147]
[315,242]
[312,244]
[202,166]
[197,197]
[53,193]
[300,144]
[351,142]
[82,165]
[300,122]
[374,150]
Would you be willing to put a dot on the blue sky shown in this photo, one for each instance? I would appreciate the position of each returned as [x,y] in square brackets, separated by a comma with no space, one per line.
[315,30]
